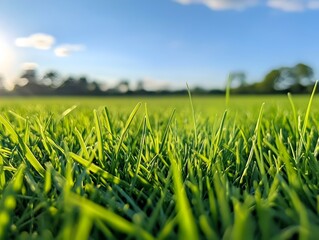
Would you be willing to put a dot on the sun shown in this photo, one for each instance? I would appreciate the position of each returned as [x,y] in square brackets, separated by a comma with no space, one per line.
[6,56]
[4,51]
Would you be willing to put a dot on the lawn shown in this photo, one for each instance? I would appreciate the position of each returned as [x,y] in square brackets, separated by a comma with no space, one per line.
[166,168]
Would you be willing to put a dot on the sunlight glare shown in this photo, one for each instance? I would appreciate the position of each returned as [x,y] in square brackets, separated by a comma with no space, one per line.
[6,60]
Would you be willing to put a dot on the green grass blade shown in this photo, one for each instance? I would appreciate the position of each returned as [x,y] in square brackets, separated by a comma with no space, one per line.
[98,131]
[163,140]
[82,143]
[126,127]
[294,114]
[109,125]
[67,112]
[95,169]
[306,120]
[25,149]
[228,87]
[188,228]
[2,175]
[193,114]
[47,180]
[114,220]
[84,226]
[243,226]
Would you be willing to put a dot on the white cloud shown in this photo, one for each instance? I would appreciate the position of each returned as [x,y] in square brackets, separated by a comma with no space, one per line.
[293,5]
[185,1]
[222,4]
[67,49]
[283,5]
[313,5]
[39,41]
[29,65]
[287,5]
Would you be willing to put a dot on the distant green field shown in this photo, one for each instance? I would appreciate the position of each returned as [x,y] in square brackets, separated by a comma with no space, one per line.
[159,168]
[202,104]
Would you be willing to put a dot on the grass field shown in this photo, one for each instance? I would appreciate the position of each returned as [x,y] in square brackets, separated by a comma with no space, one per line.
[164,168]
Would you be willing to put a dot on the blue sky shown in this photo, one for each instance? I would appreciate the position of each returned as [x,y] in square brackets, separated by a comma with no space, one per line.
[164,42]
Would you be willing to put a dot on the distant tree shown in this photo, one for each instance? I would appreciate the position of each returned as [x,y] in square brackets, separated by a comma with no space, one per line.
[83,84]
[269,81]
[294,79]
[51,78]
[83,81]
[237,79]
[75,86]
[140,85]
[67,86]
[69,81]
[30,75]
[123,86]
[94,87]
[302,78]
[303,73]
[1,82]
[199,90]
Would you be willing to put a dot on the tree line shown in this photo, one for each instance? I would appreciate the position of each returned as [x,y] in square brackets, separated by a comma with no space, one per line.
[296,79]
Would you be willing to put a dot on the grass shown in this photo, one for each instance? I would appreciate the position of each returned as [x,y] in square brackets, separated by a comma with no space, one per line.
[165,168]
